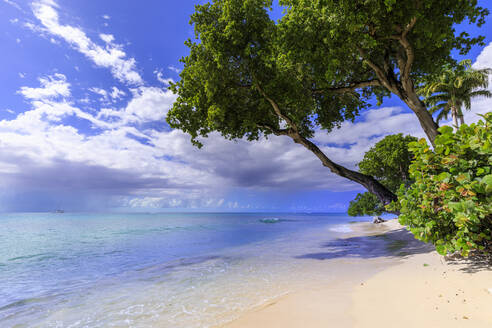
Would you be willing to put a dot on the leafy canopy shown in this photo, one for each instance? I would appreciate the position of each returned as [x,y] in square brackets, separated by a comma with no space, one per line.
[365,204]
[328,36]
[450,203]
[309,62]
[388,161]
[227,75]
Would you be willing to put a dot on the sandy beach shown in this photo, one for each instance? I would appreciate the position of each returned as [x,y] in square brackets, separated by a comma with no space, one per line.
[415,287]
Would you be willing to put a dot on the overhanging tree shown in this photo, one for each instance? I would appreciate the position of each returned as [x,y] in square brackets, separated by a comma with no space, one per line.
[317,67]
[388,161]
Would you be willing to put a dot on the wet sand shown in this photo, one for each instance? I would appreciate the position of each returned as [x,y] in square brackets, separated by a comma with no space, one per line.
[409,285]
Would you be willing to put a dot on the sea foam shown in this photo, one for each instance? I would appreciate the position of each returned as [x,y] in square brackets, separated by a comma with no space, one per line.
[342,228]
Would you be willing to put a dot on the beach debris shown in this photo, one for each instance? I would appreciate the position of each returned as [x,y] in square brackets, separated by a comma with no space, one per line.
[490,290]
[377,219]
[465,317]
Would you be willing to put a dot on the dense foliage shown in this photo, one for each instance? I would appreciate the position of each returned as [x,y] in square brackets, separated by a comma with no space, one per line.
[450,202]
[320,63]
[365,204]
[388,161]
[453,90]
[247,75]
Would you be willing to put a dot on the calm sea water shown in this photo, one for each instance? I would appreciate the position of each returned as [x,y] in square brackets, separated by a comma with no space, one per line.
[150,270]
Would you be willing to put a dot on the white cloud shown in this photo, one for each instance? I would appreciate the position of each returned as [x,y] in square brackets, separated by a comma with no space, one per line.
[481,105]
[108,38]
[148,104]
[160,78]
[13,4]
[108,97]
[375,123]
[51,87]
[103,93]
[111,56]
[154,167]
[174,69]
[484,59]
[117,93]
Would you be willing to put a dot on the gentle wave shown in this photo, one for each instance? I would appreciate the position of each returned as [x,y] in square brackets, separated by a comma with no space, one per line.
[270,220]
[342,228]
[176,270]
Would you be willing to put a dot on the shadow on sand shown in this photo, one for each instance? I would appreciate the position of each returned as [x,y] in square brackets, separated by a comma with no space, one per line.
[395,243]
[473,263]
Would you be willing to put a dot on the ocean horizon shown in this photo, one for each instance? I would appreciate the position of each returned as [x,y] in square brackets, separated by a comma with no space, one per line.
[166,269]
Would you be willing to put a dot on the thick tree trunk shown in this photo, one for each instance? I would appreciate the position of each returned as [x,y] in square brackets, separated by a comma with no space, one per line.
[425,118]
[371,184]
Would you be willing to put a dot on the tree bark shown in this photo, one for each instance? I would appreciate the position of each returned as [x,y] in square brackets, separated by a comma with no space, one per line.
[425,118]
[371,184]
[403,87]
[462,119]
[454,114]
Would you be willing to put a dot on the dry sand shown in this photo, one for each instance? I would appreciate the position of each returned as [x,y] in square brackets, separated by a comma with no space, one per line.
[416,288]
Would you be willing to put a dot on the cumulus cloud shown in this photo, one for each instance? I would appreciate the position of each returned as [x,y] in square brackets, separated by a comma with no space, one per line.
[147,104]
[117,93]
[160,77]
[375,123]
[110,56]
[149,166]
[51,87]
[103,93]
[132,157]
[481,105]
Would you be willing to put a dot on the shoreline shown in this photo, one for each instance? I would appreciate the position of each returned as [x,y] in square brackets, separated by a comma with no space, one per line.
[410,282]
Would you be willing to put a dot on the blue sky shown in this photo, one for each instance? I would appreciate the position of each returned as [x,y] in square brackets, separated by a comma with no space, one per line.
[83,101]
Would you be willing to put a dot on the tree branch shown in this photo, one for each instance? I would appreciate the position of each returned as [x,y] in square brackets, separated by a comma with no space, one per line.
[351,87]
[380,73]
[371,184]
[407,66]
[276,109]
[275,131]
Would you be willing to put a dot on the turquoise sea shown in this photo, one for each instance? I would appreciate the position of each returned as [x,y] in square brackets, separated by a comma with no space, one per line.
[153,270]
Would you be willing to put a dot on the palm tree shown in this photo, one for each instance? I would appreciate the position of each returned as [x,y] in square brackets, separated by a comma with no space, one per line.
[454,89]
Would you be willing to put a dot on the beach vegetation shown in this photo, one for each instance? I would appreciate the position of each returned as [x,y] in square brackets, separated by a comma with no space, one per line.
[388,161]
[248,75]
[452,90]
[450,200]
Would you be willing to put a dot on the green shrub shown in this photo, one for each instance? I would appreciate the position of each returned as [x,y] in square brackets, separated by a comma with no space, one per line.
[450,202]
[387,161]
[365,204]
